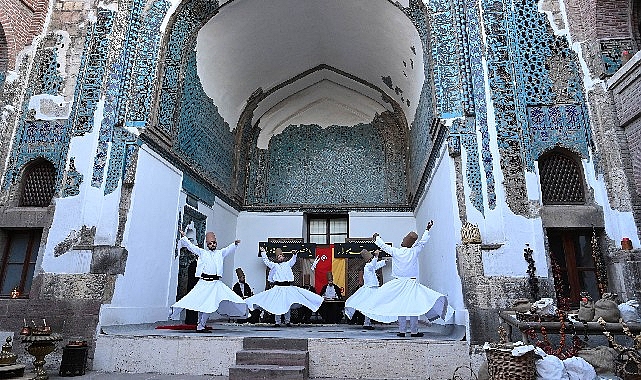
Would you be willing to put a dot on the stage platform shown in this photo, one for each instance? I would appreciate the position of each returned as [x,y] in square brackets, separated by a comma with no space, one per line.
[335,351]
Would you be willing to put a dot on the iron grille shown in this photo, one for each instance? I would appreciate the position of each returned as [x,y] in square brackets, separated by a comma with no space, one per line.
[39,185]
[561,180]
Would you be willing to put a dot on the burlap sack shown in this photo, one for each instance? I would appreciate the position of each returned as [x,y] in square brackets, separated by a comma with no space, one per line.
[586,311]
[606,309]
[601,358]
[522,305]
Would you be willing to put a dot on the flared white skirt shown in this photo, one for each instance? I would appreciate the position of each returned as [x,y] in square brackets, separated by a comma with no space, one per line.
[359,298]
[279,299]
[213,296]
[404,297]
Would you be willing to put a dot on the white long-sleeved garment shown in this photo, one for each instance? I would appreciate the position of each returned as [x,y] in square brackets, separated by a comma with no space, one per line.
[280,272]
[369,273]
[404,260]
[209,262]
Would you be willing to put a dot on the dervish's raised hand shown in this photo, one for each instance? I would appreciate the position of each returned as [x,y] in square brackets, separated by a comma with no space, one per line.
[182,233]
[236,242]
[429,225]
[262,249]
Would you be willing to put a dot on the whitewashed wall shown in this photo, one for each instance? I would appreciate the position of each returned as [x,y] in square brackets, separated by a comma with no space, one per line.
[438,259]
[89,208]
[254,227]
[141,293]
[392,226]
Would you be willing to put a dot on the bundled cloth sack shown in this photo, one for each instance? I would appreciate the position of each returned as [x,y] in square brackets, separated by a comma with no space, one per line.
[544,306]
[549,367]
[607,308]
[601,358]
[578,369]
[522,305]
[630,311]
[586,310]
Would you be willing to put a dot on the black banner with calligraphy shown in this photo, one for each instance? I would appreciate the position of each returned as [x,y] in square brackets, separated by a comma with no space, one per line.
[304,250]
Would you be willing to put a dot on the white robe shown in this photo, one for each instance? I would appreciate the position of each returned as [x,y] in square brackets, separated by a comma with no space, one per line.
[365,292]
[404,295]
[279,299]
[211,296]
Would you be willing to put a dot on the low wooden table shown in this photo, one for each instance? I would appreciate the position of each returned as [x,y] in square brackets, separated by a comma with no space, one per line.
[588,328]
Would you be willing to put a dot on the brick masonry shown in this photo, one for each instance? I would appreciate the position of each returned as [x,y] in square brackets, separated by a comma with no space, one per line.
[626,92]
[21,21]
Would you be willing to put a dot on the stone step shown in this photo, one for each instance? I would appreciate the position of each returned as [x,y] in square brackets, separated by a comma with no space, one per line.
[273,357]
[266,372]
[289,344]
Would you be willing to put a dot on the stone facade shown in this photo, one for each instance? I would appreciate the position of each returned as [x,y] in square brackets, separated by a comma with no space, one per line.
[502,83]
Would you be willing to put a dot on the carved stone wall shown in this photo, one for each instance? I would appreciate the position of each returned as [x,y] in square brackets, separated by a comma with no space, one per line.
[485,296]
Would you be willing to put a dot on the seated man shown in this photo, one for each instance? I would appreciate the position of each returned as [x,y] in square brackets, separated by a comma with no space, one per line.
[331,311]
[245,291]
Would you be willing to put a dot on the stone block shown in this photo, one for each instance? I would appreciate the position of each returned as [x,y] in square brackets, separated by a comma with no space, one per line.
[108,259]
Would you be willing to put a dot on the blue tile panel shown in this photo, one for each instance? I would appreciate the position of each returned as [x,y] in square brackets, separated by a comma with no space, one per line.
[478,104]
[91,73]
[202,136]
[72,180]
[118,90]
[144,71]
[421,143]
[445,57]
[338,165]
[47,139]
[532,74]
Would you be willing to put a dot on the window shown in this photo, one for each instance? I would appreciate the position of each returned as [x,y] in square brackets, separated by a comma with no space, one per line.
[38,184]
[572,252]
[327,229]
[561,179]
[19,260]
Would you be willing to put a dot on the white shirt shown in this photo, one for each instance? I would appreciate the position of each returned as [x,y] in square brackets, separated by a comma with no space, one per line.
[404,260]
[369,273]
[280,271]
[330,292]
[209,262]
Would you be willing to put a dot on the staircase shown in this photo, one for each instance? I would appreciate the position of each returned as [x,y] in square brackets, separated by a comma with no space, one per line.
[271,358]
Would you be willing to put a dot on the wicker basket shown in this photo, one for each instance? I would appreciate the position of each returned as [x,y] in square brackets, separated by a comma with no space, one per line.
[502,365]
[627,365]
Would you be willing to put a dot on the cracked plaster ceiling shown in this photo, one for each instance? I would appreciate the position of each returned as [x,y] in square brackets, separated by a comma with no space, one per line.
[343,48]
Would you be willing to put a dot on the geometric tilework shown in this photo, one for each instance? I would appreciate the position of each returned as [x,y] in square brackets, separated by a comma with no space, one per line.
[536,84]
[126,41]
[501,79]
[202,136]
[479,107]
[144,72]
[360,165]
[39,138]
[72,180]
[91,73]
[421,143]
[124,146]
[188,19]
[445,56]
[547,73]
